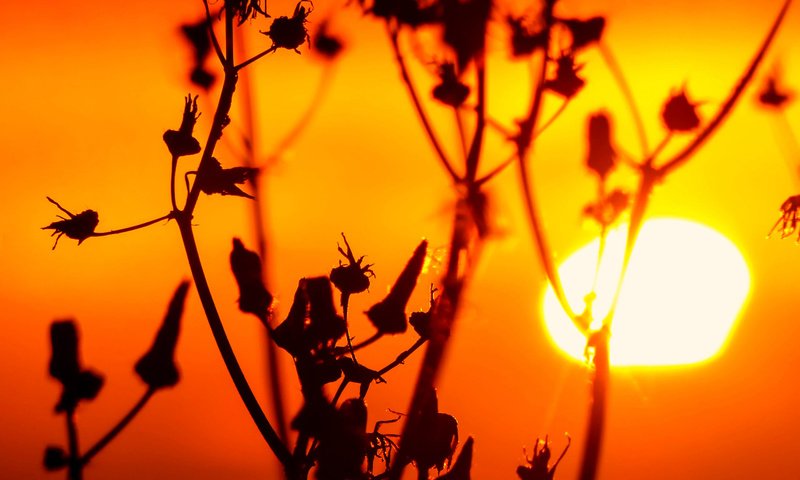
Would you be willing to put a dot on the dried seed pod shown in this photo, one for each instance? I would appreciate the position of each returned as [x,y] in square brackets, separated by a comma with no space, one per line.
[78,227]
[157,367]
[679,114]
[247,270]
[389,315]
[601,155]
[180,142]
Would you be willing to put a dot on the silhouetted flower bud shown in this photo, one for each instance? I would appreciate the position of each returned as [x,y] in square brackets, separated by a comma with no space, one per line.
[317,370]
[421,321]
[771,96]
[290,335]
[202,77]
[351,277]
[78,227]
[389,315]
[64,364]
[181,142]
[55,458]
[290,33]
[253,295]
[344,444]
[326,44]
[450,90]
[584,32]
[601,156]
[433,439]
[538,467]
[78,384]
[223,181]
[679,114]
[566,82]
[157,367]
[524,41]
[325,324]
[607,209]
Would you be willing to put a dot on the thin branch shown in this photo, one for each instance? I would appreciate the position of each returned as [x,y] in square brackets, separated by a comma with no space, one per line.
[168,216]
[402,357]
[117,429]
[619,77]
[393,36]
[727,107]
[254,58]
[474,154]
[75,467]
[214,41]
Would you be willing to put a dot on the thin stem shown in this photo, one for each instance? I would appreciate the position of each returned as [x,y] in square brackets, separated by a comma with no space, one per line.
[402,357]
[474,154]
[462,134]
[225,349]
[525,143]
[727,107]
[254,58]
[294,134]
[214,41]
[172,172]
[597,410]
[75,467]
[117,429]
[619,77]
[168,216]
[393,35]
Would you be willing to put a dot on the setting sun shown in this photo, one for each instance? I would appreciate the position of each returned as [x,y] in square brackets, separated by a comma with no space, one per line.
[684,290]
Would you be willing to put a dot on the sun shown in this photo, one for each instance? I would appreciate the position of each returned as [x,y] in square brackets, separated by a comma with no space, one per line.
[685,287]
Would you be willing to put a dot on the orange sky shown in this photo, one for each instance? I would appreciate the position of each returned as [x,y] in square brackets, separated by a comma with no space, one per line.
[88,89]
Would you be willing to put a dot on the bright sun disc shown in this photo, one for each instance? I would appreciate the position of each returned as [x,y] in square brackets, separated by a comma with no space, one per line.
[685,286]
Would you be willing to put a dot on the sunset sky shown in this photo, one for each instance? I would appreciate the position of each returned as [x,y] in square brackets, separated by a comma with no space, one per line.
[89,88]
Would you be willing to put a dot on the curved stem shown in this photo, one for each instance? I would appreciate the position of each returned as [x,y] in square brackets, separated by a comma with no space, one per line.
[75,467]
[423,117]
[727,107]
[172,172]
[214,41]
[168,216]
[108,437]
[619,77]
[254,58]
[225,349]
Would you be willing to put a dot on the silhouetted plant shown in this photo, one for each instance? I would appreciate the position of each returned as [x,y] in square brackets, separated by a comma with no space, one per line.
[157,369]
[332,435]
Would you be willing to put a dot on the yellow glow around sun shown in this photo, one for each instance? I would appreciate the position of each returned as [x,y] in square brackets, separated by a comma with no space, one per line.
[685,286]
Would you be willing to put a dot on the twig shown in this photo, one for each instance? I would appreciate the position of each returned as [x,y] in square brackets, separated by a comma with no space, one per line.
[117,429]
[619,77]
[402,357]
[168,216]
[75,467]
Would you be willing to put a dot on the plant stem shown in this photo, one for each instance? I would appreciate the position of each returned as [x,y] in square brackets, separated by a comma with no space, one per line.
[727,107]
[108,437]
[75,467]
[597,410]
[225,349]
[423,117]
[168,216]
[402,357]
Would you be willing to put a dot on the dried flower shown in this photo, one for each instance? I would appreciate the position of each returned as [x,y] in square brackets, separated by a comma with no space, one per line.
[450,90]
[247,270]
[327,44]
[344,444]
[389,315]
[78,227]
[351,277]
[290,33]
[325,325]
[421,321]
[524,41]
[789,217]
[584,32]
[679,113]
[771,96]
[601,156]
[566,82]
[607,209]
[223,181]
[289,335]
[181,142]
[199,37]
[157,367]
[78,384]
[538,468]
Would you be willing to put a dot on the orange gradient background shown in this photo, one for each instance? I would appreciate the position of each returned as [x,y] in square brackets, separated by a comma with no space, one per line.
[89,87]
